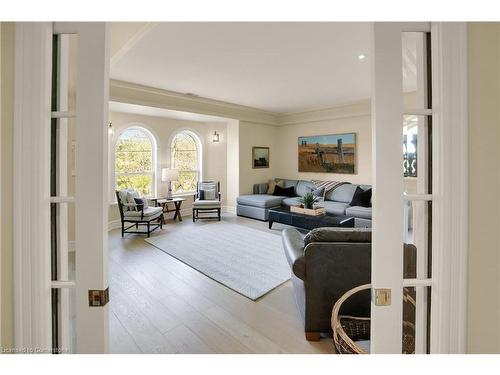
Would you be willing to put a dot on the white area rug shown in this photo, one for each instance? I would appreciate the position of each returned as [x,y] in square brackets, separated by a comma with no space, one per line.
[249,261]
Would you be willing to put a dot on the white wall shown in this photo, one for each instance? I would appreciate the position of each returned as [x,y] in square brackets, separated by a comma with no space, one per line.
[233,163]
[250,135]
[283,143]
[484,188]
[6,180]
[1,82]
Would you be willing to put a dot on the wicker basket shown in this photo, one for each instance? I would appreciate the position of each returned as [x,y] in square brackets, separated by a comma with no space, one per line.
[349,329]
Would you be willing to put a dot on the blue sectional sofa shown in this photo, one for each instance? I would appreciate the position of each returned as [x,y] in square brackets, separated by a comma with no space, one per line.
[336,202]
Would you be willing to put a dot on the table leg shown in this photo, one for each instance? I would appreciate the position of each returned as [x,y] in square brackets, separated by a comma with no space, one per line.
[178,211]
[164,216]
[270,224]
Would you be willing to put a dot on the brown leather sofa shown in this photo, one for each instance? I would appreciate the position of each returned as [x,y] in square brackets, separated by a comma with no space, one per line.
[325,264]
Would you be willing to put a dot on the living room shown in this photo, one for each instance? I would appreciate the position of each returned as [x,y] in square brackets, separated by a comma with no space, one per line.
[228,142]
[227,148]
[228,159]
[271,122]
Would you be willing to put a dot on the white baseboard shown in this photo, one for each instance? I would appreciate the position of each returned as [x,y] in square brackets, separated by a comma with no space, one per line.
[114,224]
[229,209]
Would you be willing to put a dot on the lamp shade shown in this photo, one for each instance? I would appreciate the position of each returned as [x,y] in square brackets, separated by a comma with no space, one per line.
[169,174]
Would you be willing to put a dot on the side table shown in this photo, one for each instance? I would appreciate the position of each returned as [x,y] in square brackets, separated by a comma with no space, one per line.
[163,202]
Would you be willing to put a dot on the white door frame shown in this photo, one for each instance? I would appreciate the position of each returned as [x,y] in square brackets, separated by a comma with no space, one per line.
[387,233]
[92,177]
[450,225]
[32,249]
[32,278]
[0,182]
[449,190]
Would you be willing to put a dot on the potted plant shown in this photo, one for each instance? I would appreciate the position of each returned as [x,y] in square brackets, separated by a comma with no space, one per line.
[308,200]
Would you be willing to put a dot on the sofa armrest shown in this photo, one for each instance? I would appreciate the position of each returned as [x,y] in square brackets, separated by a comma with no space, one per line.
[260,188]
[334,234]
[293,244]
[333,268]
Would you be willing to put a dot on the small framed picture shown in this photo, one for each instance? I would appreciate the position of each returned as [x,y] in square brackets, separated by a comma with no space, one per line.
[260,157]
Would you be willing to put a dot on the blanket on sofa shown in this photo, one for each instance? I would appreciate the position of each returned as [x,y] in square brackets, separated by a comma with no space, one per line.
[327,185]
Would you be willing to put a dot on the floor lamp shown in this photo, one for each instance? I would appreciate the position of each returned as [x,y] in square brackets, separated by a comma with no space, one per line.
[169,175]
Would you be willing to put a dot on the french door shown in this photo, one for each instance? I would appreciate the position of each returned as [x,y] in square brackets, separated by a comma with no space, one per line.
[62,88]
[432,216]
[419,135]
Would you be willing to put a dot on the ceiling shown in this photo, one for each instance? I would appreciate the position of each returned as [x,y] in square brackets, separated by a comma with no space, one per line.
[136,109]
[279,67]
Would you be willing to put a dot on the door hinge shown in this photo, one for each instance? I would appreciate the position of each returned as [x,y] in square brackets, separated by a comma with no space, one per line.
[382,297]
[98,298]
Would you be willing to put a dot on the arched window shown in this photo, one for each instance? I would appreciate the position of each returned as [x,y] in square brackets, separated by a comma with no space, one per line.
[186,157]
[135,156]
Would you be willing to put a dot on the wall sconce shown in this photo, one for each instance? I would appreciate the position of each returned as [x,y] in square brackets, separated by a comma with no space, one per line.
[110,128]
[215,137]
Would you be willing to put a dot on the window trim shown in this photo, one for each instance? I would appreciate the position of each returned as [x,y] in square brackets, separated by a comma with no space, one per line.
[199,148]
[155,146]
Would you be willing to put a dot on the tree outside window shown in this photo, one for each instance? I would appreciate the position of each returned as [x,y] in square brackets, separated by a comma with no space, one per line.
[185,158]
[134,161]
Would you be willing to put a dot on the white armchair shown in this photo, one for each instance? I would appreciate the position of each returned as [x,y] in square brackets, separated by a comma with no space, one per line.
[135,210]
[207,200]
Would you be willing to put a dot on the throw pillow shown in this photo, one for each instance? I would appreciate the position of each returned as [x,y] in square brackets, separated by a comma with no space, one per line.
[131,195]
[272,184]
[140,203]
[208,185]
[123,197]
[210,195]
[319,192]
[362,197]
[284,192]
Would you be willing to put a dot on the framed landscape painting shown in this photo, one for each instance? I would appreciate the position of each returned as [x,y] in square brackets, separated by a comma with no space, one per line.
[334,153]
[260,157]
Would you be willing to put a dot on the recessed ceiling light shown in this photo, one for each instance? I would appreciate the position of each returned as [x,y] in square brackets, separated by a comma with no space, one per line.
[361,57]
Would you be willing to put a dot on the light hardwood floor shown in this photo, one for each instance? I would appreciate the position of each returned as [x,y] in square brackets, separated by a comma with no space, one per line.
[160,305]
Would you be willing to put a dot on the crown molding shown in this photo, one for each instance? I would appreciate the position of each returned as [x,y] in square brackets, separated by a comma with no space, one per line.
[132,93]
[354,109]
[127,92]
